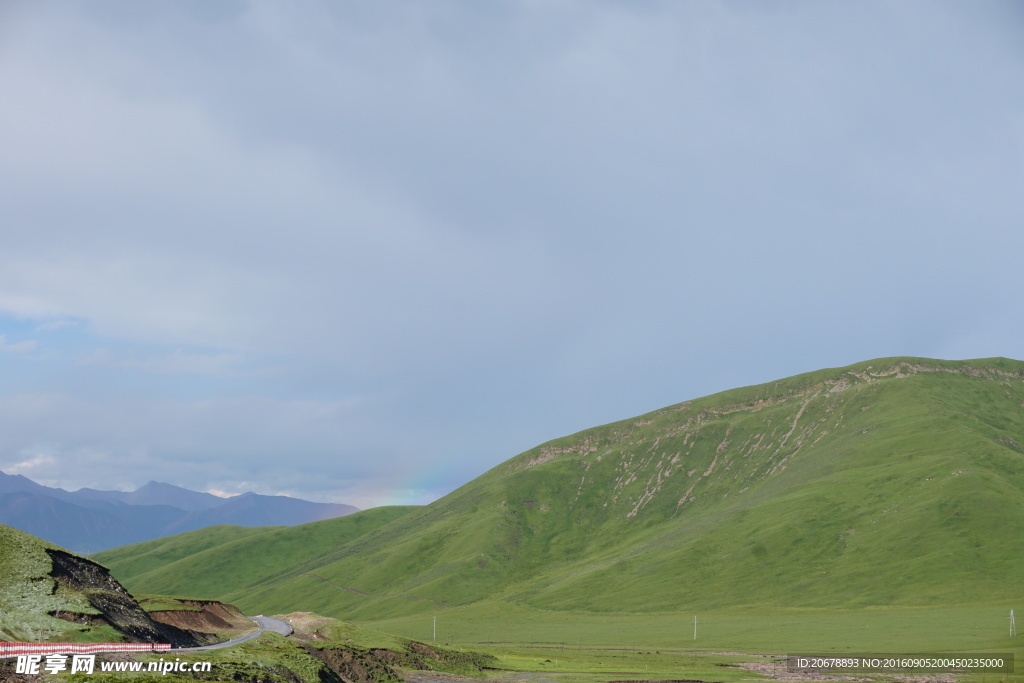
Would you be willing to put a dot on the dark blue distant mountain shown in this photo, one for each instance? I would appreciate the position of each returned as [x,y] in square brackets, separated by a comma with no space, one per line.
[156,493]
[83,528]
[88,520]
[252,509]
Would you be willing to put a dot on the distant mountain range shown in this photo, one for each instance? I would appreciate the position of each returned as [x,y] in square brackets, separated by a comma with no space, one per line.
[88,520]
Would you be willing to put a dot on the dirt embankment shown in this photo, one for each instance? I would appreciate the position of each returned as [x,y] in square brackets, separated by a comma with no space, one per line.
[211,617]
[356,666]
[307,625]
[378,665]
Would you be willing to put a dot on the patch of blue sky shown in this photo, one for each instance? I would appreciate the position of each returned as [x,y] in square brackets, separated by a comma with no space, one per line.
[17,329]
[63,355]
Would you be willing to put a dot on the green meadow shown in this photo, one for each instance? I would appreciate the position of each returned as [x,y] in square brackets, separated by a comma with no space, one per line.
[875,508]
[198,563]
[29,596]
[587,647]
[972,628]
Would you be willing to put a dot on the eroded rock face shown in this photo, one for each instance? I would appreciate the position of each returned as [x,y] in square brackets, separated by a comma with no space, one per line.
[344,665]
[117,607]
[211,616]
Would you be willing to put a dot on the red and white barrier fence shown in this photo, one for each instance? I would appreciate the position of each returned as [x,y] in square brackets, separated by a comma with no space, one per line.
[15,649]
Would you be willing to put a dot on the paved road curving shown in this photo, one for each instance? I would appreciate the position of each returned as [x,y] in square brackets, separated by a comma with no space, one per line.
[265,624]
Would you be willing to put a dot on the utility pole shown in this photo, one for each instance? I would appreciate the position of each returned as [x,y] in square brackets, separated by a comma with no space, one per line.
[1013,627]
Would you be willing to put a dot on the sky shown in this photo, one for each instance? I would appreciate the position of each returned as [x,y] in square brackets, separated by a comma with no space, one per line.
[362,252]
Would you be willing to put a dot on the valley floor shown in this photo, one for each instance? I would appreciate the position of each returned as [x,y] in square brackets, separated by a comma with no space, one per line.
[731,645]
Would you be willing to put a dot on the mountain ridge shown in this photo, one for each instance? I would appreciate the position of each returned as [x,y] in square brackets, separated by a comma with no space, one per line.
[90,520]
[891,481]
[156,493]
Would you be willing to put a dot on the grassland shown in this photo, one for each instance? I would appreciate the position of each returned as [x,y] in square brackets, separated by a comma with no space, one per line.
[827,490]
[331,653]
[596,647]
[197,563]
[29,596]
[875,507]
[965,628]
[139,558]
[608,647]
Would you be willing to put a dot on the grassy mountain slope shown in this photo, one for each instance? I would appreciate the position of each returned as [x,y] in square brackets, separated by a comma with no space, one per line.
[26,589]
[196,563]
[139,558]
[47,593]
[894,481]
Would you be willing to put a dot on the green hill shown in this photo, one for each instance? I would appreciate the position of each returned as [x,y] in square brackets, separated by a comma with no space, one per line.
[139,558]
[49,594]
[26,596]
[199,563]
[897,481]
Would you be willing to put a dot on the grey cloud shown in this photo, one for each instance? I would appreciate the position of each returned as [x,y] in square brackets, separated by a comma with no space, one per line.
[493,223]
[204,443]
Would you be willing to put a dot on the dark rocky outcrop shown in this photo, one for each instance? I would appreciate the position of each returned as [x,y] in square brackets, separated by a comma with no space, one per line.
[116,607]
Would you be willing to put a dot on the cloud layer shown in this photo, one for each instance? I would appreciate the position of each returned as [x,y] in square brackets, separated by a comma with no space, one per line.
[363,253]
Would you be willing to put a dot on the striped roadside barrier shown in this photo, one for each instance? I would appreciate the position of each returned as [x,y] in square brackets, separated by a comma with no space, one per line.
[15,649]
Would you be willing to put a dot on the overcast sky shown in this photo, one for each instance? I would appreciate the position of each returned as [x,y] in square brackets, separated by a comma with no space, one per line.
[362,252]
